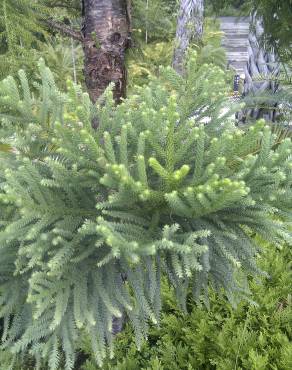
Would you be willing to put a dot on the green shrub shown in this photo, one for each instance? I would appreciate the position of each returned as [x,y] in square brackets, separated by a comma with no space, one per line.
[248,337]
[144,59]
[151,191]
[154,20]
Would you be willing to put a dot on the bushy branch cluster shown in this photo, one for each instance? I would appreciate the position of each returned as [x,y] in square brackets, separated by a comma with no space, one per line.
[20,33]
[93,218]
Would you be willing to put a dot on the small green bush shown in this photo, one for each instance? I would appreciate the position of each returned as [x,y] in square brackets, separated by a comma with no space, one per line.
[153,191]
[252,336]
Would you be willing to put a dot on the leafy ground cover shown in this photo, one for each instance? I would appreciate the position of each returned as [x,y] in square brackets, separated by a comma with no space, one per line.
[252,336]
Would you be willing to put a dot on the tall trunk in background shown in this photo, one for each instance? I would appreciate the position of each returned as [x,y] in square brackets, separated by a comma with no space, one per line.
[189,27]
[261,66]
[106,37]
[106,32]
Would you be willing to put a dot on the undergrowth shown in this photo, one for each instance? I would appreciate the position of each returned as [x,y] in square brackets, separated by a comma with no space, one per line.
[251,337]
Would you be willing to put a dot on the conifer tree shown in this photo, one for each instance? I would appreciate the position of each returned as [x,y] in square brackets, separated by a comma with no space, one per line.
[152,191]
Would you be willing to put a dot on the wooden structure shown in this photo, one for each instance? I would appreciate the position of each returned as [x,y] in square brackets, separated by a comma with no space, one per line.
[249,60]
[235,42]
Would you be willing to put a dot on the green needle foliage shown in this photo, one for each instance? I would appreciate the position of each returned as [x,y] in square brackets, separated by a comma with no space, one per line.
[20,32]
[250,337]
[98,216]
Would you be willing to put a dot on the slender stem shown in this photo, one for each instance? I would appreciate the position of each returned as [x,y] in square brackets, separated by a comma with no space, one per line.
[6,26]
[68,31]
[73,61]
[147,10]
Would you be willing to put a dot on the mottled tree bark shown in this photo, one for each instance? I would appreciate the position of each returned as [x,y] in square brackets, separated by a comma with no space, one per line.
[189,26]
[106,36]
[262,64]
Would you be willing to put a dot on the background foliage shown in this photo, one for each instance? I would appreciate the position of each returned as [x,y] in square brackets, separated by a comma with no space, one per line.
[251,337]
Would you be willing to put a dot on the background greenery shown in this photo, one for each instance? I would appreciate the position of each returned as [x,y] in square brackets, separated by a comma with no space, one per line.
[251,337]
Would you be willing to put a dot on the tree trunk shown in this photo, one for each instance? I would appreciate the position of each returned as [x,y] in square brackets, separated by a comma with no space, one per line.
[106,32]
[189,26]
[262,64]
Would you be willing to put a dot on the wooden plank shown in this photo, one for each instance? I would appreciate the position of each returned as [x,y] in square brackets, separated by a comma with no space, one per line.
[238,65]
[237,59]
[233,26]
[235,49]
[234,19]
[235,32]
[235,43]
[235,36]
[229,26]
[237,56]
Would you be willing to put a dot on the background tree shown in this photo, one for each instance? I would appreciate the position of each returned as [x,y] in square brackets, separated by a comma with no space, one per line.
[276,16]
[189,26]
[106,33]
[262,68]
